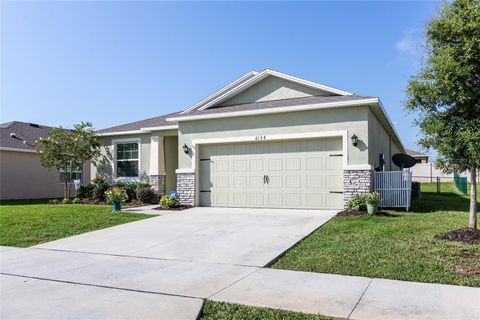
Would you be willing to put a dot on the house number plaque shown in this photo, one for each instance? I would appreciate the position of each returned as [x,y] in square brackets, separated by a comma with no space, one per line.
[260,138]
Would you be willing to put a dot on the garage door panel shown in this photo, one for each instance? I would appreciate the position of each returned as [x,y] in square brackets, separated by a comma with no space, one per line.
[293,182]
[240,165]
[275,199]
[315,182]
[301,174]
[275,164]
[240,182]
[256,165]
[256,182]
[315,163]
[293,164]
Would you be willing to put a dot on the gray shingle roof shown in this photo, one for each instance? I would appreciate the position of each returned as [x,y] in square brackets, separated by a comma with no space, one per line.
[278,104]
[162,120]
[27,132]
[137,125]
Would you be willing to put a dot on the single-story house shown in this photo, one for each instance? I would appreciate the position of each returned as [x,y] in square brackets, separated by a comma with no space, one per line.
[419,157]
[22,175]
[267,139]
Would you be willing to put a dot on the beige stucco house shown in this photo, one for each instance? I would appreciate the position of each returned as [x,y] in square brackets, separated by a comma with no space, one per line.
[22,175]
[265,140]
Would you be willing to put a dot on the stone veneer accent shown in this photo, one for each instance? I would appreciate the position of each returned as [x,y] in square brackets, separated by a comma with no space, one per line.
[158,184]
[186,188]
[356,182]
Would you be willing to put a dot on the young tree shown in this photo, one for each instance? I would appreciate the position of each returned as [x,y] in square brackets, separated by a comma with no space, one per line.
[446,92]
[66,149]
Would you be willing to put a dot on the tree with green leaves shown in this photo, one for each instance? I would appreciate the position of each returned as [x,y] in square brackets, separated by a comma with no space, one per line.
[65,150]
[445,94]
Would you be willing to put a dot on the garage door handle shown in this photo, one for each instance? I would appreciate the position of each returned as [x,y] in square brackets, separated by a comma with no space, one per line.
[336,191]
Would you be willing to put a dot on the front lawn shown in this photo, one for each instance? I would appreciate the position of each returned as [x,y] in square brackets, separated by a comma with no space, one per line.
[27,223]
[401,246]
[225,311]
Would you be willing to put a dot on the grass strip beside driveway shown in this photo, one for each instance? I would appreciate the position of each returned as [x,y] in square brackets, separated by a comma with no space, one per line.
[225,311]
[24,225]
[402,247]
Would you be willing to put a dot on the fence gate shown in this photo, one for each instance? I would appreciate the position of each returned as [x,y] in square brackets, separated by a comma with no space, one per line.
[394,187]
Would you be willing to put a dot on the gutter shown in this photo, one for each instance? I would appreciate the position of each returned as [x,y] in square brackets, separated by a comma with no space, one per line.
[140,131]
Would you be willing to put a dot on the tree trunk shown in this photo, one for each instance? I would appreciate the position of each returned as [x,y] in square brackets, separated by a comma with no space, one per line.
[472,223]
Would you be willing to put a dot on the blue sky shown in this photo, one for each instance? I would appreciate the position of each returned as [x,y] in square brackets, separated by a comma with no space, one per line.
[115,62]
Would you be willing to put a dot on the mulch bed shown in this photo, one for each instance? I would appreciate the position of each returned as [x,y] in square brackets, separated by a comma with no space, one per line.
[350,213]
[179,208]
[466,235]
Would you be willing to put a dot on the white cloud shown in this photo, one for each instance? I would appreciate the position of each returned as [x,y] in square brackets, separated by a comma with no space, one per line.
[409,48]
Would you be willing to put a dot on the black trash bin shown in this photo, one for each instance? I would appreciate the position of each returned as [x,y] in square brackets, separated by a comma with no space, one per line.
[416,189]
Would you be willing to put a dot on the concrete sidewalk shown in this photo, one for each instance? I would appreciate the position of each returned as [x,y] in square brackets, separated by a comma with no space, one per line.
[352,297]
[87,283]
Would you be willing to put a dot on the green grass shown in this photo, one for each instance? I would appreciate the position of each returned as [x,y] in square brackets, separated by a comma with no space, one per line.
[29,222]
[401,246]
[225,311]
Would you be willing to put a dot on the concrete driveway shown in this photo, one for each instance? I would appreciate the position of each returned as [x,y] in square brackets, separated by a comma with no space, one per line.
[160,267]
[247,237]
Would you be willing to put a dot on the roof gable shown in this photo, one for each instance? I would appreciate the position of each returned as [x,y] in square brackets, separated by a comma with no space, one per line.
[286,87]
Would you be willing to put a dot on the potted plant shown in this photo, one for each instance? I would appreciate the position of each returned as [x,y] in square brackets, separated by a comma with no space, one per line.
[116,196]
[373,201]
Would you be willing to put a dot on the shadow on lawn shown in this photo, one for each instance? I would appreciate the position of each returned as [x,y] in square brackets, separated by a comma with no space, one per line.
[431,202]
[23,202]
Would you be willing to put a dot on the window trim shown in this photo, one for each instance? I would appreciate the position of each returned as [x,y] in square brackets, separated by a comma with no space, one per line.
[114,157]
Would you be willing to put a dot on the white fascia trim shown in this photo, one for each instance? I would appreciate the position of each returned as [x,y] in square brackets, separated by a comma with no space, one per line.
[262,75]
[222,91]
[17,150]
[358,167]
[315,106]
[161,128]
[142,130]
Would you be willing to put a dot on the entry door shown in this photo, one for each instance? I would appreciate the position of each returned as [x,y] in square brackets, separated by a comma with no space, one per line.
[284,174]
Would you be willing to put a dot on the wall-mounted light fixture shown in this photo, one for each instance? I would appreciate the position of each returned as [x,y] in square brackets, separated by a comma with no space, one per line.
[185,148]
[354,140]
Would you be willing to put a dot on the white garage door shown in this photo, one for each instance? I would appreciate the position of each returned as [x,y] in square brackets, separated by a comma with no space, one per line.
[293,174]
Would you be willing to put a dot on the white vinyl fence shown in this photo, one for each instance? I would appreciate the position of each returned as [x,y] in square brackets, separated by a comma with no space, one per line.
[394,187]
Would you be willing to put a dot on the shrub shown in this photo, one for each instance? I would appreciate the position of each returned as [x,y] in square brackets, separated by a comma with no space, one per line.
[372,198]
[99,180]
[168,201]
[99,191]
[146,195]
[86,201]
[128,189]
[66,201]
[358,203]
[53,201]
[116,194]
[85,191]
[139,185]
[76,200]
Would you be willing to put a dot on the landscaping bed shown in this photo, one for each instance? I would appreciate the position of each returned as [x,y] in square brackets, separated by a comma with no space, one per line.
[401,248]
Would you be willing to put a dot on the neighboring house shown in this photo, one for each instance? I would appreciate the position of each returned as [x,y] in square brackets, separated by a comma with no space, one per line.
[265,140]
[22,176]
[419,157]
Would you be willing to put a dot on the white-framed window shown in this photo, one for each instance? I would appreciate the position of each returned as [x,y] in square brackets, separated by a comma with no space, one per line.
[76,174]
[127,159]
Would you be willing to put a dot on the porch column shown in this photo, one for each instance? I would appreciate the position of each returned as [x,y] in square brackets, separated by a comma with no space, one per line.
[356,182]
[157,165]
